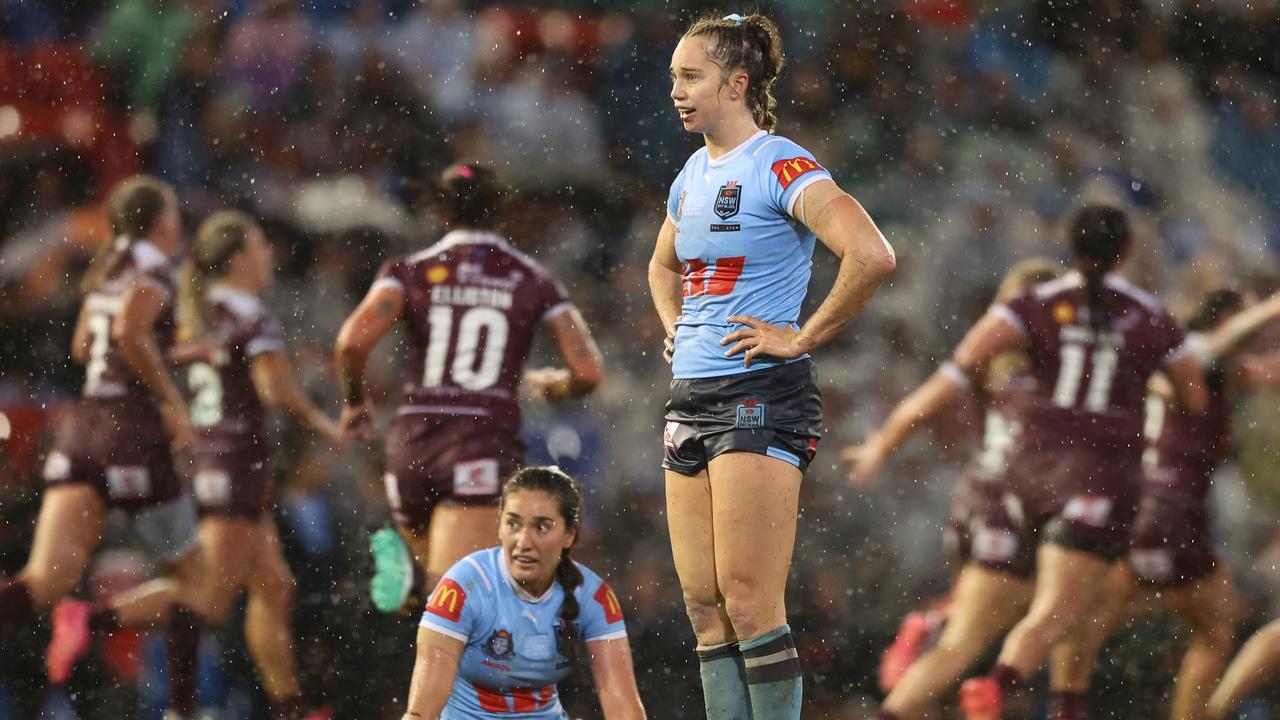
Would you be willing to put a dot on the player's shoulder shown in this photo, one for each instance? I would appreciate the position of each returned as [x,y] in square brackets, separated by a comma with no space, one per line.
[478,572]
[244,307]
[1055,288]
[768,148]
[147,258]
[1136,295]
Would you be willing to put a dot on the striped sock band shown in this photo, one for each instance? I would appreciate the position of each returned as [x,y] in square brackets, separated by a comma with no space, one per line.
[724,683]
[771,657]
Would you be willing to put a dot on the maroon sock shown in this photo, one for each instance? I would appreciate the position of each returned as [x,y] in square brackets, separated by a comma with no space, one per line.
[1007,678]
[16,604]
[1066,706]
[103,620]
[290,708]
[183,646]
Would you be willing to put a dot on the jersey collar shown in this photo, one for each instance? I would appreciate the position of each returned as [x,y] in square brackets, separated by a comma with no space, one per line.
[736,151]
[243,303]
[471,237]
[521,592]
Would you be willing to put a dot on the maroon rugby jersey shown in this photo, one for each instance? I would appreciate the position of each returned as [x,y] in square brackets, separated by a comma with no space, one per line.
[107,373]
[1091,390]
[223,398]
[472,306]
[1191,445]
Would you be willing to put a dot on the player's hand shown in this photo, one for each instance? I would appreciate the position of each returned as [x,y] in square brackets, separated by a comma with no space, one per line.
[356,422]
[549,384]
[177,422]
[865,462]
[761,338]
[669,345]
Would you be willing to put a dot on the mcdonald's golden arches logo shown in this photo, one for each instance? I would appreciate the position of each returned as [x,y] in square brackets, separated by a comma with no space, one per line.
[787,171]
[609,601]
[448,600]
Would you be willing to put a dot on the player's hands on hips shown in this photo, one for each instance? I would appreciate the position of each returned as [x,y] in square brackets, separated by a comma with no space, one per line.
[356,421]
[865,462]
[177,421]
[761,338]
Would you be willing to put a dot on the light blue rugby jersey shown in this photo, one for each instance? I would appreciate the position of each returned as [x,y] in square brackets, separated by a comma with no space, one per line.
[511,661]
[742,250]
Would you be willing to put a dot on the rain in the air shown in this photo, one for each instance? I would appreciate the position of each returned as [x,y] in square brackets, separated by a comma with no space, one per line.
[492,359]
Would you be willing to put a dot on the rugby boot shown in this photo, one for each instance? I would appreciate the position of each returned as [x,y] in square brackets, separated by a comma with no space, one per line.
[70,640]
[392,581]
[981,699]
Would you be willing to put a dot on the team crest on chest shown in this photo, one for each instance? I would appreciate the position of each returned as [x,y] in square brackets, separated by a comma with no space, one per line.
[728,200]
[499,646]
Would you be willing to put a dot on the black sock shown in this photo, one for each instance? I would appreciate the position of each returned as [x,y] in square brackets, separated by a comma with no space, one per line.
[183,646]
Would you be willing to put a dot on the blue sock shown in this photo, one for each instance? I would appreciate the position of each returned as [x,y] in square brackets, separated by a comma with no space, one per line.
[724,682]
[773,674]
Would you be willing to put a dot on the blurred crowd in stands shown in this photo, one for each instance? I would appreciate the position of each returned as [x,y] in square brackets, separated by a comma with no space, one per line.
[966,127]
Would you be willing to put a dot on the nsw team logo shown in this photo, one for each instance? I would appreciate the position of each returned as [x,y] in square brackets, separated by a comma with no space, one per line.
[728,200]
[500,646]
[751,414]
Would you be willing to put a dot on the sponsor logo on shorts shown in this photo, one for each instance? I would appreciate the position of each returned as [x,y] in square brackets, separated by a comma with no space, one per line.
[669,434]
[477,477]
[499,646]
[750,414]
[789,170]
[1088,509]
[994,544]
[128,482]
[448,600]
[1154,565]
[213,487]
[609,601]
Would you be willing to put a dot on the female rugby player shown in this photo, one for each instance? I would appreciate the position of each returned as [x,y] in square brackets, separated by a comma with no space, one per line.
[728,275]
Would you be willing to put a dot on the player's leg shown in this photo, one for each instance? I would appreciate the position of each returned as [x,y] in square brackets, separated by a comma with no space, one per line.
[268,622]
[1210,607]
[456,532]
[1257,663]
[68,529]
[1072,660]
[754,502]
[984,604]
[689,522]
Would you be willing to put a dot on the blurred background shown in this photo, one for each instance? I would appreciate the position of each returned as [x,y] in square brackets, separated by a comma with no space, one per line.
[966,127]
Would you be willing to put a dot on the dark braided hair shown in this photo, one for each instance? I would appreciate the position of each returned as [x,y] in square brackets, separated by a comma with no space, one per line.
[132,209]
[1099,236]
[753,44]
[467,195]
[557,483]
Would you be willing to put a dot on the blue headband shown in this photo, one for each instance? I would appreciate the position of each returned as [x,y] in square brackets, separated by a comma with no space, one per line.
[735,17]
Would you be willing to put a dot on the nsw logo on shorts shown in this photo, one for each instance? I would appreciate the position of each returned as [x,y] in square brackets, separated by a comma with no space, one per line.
[750,415]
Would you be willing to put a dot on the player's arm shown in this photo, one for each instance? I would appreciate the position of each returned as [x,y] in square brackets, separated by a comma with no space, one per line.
[1256,372]
[1187,378]
[274,380]
[866,460]
[993,335]
[433,674]
[665,277]
[81,339]
[1239,328]
[133,330]
[615,677]
[369,322]
[866,259]
[584,364]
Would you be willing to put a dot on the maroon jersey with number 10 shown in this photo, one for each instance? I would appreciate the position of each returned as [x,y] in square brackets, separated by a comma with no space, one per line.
[1091,387]
[472,307]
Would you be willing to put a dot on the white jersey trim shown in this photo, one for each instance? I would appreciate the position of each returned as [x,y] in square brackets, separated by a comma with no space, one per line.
[1004,313]
[803,185]
[1176,354]
[442,409]
[480,569]
[1119,284]
[387,283]
[443,631]
[515,586]
[258,346]
[735,152]
[245,305]
[615,635]
[147,255]
[557,309]
[954,374]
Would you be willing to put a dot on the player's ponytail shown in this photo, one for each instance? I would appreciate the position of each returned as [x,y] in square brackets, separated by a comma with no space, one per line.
[754,45]
[557,483]
[220,237]
[467,195]
[1099,236]
[132,209]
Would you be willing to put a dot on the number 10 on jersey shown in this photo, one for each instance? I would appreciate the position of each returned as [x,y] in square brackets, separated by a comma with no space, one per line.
[474,367]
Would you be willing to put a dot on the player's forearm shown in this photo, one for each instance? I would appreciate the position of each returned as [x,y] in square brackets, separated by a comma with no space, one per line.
[139,351]
[915,409]
[664,285]
[859,277]
[350,365]
[1239,328]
